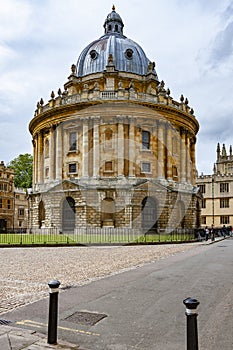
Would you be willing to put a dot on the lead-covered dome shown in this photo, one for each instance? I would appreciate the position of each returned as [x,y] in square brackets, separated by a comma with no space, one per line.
[126,55]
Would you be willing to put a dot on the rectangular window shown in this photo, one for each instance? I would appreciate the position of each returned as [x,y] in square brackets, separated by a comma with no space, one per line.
[21,212]
[73,141]
[8,204]
[202,188]
[0,202]
[145,140]
[203,203]
[224,202]
[224,187]
[203,220]
[146,167]
[108,166]
[224,220]
[72,168]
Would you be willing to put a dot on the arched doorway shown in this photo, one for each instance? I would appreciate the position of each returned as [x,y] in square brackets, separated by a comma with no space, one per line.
[180,214]
[68,214]
[41,216]
[108,212]
[149,214]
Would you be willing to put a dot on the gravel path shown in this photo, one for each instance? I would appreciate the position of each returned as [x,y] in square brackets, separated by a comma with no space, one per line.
[25,272]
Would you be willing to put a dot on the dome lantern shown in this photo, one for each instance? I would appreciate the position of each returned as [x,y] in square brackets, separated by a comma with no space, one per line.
[113,23]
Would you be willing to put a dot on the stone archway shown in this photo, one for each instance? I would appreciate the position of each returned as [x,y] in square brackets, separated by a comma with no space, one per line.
[41,214]
[149,214]
[108,212]
[68,214]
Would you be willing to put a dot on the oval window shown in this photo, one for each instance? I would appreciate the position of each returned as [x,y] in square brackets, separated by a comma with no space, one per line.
[129,54]
[93,54]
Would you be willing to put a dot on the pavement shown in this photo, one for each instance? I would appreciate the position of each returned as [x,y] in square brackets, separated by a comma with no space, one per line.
[16,338]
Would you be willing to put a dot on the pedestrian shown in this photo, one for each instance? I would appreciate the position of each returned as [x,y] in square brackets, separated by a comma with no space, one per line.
[212,235]
[206,233]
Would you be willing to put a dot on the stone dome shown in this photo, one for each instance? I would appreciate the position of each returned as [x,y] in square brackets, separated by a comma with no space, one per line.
[126,55]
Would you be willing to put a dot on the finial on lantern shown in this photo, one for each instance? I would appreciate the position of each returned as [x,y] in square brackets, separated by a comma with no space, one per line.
[113,7]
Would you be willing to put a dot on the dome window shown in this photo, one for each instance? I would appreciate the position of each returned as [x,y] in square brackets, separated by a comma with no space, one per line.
[93,54]
[129,54]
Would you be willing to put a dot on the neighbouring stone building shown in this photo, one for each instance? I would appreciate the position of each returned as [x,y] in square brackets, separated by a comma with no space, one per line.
[114,149]
[20,209]
[217,191]
[13,202]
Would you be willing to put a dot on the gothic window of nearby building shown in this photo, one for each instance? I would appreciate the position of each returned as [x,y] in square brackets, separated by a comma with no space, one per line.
[224,202]
[224,187]
[145,139]
[202,188]
[108,166]
[146,167]
[46,148]
[108,138]
[0,202]
[230,168]
[203,203]
[203,220]
[73,141]
[224,220]
[72,168]
[8,204]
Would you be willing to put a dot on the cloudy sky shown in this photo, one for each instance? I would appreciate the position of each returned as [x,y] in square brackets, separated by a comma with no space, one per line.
[191,42]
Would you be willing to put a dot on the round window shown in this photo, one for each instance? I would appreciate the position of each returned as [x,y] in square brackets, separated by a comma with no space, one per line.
[93,54]
[129,54]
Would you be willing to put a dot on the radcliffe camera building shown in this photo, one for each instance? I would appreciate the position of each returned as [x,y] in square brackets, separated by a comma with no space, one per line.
[114,149]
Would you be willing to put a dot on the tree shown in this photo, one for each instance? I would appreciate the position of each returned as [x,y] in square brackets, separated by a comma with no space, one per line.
[22,166]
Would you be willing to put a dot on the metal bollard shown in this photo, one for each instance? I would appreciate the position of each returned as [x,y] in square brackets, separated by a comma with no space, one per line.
[53,311]
[191,313]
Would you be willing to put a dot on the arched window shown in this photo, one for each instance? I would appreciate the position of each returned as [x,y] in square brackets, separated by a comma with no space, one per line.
[41,216]
[149,213]
[68,215]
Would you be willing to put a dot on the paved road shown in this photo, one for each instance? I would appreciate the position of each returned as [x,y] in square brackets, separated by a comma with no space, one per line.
[144,307]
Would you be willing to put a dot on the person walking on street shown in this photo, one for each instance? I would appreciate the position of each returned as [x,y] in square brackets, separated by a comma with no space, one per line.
[206,233]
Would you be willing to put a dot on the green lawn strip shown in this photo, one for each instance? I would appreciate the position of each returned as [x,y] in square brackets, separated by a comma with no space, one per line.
[43,239]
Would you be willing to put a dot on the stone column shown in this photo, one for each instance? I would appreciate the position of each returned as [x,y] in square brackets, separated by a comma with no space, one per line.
[169,152]
[120,146]
[59,152]
[34,176]
[160,150]
[96,146]
[188,161]
[40,157]
[132,146]
[183,156]
[193,159]
[85,155]
[51,154]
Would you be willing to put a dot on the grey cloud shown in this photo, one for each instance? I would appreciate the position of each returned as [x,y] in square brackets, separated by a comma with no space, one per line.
[223,45]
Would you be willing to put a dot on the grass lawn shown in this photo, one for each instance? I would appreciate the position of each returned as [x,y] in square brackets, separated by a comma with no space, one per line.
[43,239]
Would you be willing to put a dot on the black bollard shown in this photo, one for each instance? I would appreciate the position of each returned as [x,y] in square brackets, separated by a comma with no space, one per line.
[53,311]
[191,313]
